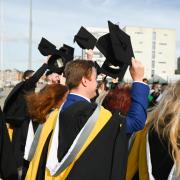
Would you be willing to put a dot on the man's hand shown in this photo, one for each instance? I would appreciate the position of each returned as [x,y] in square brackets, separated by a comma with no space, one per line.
[89,54]
[136,70]
[48,59]
[62,79]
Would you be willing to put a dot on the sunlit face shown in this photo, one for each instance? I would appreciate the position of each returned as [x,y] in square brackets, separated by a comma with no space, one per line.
[92,84]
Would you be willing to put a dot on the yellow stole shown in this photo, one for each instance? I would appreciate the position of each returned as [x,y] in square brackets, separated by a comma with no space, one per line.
[10,132]
[137,157]
[47,128]
[104,117]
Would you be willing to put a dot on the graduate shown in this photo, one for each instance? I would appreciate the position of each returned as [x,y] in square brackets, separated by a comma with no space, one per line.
[15,107]
[8,167]
[45,113]
[155,149]
[103,154]
[88,141]
[15,110]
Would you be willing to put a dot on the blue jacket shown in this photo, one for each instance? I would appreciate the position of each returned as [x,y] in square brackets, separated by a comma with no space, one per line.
[136,117]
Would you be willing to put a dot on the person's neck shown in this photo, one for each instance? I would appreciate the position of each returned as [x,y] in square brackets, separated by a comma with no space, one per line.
[79,92]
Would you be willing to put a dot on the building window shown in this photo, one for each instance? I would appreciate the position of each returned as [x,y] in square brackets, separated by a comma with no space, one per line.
[138,52]
[154,36]
[152,73]
[153,54]
[153,64]
[162,62]
[153,45]
[163,44]
[138,32]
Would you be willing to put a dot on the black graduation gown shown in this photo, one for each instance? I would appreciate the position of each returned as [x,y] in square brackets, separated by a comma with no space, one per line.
[106,156]
[16,114]
[161,160]
[8,168]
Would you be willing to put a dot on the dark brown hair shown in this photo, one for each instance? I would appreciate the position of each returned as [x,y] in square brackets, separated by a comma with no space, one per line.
[27,74]
[40,104]
[76,70]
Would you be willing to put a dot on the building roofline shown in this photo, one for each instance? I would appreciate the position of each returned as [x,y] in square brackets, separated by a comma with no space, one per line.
[146,27]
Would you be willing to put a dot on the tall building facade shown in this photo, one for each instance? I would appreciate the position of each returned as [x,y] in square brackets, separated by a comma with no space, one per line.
[155,47]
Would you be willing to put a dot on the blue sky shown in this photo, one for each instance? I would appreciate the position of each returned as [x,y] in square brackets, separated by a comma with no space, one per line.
[59,21]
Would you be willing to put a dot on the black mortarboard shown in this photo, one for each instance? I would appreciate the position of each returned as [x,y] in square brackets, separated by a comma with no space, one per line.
[59,57]
[116,46]
[110,71]
[121,44]
[85,39]
[67,53]
[113,72]
[64,55]
[53,69]
[98,68]
[105,47]
[47,48]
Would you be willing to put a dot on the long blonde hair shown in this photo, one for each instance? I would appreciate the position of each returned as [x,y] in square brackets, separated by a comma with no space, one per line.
[166,120]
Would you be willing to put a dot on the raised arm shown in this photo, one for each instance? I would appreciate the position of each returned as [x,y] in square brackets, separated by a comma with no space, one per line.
[136,117]
[31,82]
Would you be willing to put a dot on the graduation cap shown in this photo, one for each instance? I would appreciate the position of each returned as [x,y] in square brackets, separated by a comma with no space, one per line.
[47,48]
[105,47]
[113,72]
[67,53]
[64,55]
[58,57]
[121,44]
[58,70]
[110,71]
[116,47]
[85,39]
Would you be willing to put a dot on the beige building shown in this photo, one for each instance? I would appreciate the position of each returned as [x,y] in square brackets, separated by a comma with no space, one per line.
[10,77]
[155,47]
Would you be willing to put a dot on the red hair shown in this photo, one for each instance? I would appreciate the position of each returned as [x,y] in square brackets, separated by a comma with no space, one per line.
[118,99]
[40,104]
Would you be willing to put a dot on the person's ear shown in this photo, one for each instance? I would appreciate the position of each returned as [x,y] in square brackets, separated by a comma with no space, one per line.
[84,81]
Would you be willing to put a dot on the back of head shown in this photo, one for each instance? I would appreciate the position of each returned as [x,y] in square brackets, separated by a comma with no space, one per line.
[76,70]
[145,80]
[102,85]
[118,99]
[40,104]
[166,119]
[27,74]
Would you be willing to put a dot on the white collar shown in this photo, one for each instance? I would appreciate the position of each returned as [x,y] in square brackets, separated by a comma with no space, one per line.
[81,96]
